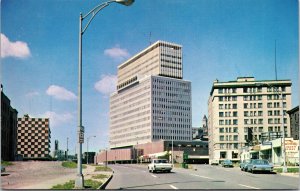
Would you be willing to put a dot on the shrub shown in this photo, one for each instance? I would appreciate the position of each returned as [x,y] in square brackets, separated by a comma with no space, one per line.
[93,184]
[99,176]
[6,163]
[69,164]
[67,185]
[102,168]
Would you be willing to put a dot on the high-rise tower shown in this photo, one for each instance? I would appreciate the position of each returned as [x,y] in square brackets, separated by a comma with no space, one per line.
[152,101]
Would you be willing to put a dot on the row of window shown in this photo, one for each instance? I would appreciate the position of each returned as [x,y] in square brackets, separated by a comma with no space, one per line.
[254,129]
[228,98]
[229,138]
[228,122]
[253,121]
[228,106]
[228,130]
[226,90]
[172,83]
[276,121]
[228,114]
[163,106]
[227,146]
[171,56]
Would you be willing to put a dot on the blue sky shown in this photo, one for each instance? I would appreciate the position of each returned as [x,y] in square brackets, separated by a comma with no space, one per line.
[221,40]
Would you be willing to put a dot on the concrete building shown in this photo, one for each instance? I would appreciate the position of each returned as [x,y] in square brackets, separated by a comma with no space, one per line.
[245,105]
[272,151]
[33,138]
[9,121]
[294,122]
[152,102]
[197,152]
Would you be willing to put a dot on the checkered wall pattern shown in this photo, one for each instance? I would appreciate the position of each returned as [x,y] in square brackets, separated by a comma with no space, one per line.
[33,137]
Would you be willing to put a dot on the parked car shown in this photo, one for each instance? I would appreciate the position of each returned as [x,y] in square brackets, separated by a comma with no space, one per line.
[262,165]
[215,162]
[227,163]
[243,164]
[160,165]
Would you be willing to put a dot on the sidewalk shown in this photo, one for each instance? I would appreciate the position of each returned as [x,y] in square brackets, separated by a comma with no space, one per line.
[87,173]
[296,174]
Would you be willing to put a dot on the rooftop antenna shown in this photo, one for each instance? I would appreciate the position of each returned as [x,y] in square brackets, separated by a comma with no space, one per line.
[275,63]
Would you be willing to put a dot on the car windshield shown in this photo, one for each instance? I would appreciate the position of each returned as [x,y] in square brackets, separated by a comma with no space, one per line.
[260,162]
[160,161]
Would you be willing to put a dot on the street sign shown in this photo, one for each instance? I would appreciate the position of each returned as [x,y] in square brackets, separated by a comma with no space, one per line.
[81,137]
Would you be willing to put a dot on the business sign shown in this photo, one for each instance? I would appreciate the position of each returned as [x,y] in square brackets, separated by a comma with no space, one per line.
[292,148]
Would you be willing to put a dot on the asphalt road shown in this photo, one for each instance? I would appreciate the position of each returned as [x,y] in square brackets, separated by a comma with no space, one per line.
[205,177]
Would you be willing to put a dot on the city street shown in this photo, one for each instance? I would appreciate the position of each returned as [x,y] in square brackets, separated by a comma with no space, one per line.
[205,177]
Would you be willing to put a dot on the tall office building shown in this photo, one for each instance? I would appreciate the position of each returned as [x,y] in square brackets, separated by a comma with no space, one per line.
[152,101]
[236,108]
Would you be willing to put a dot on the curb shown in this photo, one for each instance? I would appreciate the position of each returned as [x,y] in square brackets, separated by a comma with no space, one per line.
[102,187]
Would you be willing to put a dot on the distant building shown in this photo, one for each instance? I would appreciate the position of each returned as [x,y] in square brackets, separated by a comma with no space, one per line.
[239,111]
[197,133]
[196,151]
[9,121]
[152,101]
[33,138]
[294,121]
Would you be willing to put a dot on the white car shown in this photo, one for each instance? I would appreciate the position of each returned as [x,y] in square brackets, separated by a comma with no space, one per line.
[160,165]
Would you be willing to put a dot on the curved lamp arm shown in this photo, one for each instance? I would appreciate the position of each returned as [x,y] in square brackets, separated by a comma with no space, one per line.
[98,8]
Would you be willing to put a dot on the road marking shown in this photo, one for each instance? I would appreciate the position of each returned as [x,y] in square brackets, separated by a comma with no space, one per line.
[248,186]
[173,187]
[206,177]
[202,176]
[154,176]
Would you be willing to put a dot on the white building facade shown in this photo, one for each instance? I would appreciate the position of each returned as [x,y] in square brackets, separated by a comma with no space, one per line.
[234,107]
[152,102]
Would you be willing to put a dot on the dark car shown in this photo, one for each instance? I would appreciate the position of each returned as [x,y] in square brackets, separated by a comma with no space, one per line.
[227,163]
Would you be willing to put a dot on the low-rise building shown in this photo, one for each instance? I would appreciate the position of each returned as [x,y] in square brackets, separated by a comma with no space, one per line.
[34,138]
[196,152]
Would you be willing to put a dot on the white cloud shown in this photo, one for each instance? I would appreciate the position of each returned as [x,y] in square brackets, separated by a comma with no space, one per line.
[117,53]
[16,49]
[60,93]
[32,94]
[58,119]
[107,84]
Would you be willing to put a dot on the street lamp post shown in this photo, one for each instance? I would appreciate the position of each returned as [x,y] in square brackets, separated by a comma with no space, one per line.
[87,148]
[280,93]
[80,130]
